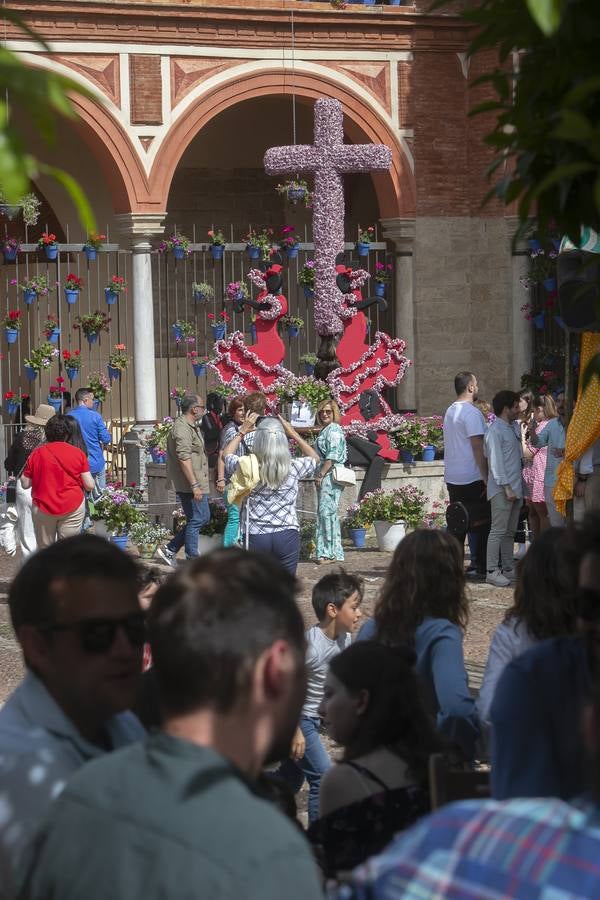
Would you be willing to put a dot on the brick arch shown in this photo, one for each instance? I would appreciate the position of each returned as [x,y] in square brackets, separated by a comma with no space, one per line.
[395,189]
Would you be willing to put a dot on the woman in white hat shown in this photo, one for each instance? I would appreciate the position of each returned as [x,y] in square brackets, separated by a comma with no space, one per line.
[24,443]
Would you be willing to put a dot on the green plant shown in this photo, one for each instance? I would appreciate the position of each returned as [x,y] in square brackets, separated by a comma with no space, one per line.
[293,321]
[185,328]
[50,325]
[99,385]
[357,516]
[178,393]
[145,532]
[157,439]
[173,241]
[46,240]
[202,287]
[383,272]
[218,519]
[294,184]
[225,391]
[94,240]
[92,323]
[404,504]
[73,282]
[12,320]
[29,204]
[311,359]
[411,434]
[117,284]
[216,237]
[118,509]
[308,539]
[365,235]
[117,358]
[434,430]
[304,387]
[41,357]
[306,275]
[262,239]
[38,283]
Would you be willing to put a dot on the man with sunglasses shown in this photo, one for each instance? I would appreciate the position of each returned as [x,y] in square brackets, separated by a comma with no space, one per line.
[76,615]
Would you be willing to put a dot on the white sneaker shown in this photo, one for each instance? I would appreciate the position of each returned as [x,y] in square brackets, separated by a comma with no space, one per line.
[511,574]
[167,556]
[496,578]
[521,551]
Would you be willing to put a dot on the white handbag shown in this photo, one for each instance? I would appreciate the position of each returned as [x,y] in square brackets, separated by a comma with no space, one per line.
[343,475]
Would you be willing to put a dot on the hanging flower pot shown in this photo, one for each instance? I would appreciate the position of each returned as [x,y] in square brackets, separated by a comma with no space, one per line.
[113,373]
[362,249]
[218,331]
[549,285]
[217,251]
[252,251]
[407,457]
[71,296]
[292,252]
[357,536]
[51,251]
[10,254]
[72,373]
[30,373]
[252,331]
[92,337]
[54,335]
[110,296]
[29,296]
[120,540]
[539,320]
[11,335]
[379,289]
[199,369]
[293,331]
[309,368]
[177,332]
[90,253]
[534,245]
[55,403]
[296,193]
[12,406]
[428,453]
[179,252]
[308,292]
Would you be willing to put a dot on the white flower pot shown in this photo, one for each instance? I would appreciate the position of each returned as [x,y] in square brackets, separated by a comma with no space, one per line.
[100,528]
[206,543]
[389,534]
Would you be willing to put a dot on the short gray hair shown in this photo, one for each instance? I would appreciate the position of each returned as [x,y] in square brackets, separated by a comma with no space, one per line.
[272,450]
[188,402]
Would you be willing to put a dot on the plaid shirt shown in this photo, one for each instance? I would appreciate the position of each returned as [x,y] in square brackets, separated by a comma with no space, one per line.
[531,849]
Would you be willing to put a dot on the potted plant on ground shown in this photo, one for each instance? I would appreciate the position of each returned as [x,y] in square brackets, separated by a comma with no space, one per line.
[218,324]
[199,363]
[211,534]
[55,394]
[40,358]
[116,285]
[365,236]
[47,243]
[34,287]
[177,244]
[10,248]
[306,277]
[73,285]
[72,363]
[217,243]
[309,361]
[357,523]
[146,536]
[118,361]
[118,509]
[295,190]
[183,331]
[293,325]
[99,385]
[289,241]
[12,325]
[202,291]
[92,244]
[259,243]
[177,394]
[156,441]
[385,510]
[92,324]
[383,273]
[51,328]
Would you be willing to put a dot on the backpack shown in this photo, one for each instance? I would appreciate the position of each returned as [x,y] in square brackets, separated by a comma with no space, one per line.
[211,427]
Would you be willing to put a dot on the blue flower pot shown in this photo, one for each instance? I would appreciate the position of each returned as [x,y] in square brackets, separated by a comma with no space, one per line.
[253,252]
[96,405]
[54,336]
[293,331]
[92,338]
[539,320]
[358,536]
[363,249]
[90,253]
[10,254]
[71,296]
[199,297]
[11,407]
[110,296]
[11,335]
[309,368]
[239,296]
[549,285]
[428,453]
[54,403]
[296,194]
[308,292]
[199,369]
[407,457]
[120,540]
[292,252]
[534,245]
[29,296]
[72,373]
[158,456]
[217,251]
[177,332]
[379,289]
[51,251]
[30,373]
[113,373]
[252,331]
[218,332]
[179,252]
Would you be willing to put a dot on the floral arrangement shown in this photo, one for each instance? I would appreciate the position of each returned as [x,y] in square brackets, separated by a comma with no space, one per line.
[92,323]
[99,385]
[95,241]
[404,504]
[218,519]
[72,360]
[288,237]
[46,240]
[197,360]
[217,238]
[225,391]
[295,189]
[173,241]
[11,243]
[157,439]
[117,358]
[435,517]
[262,239]
[411,434]
[16,398]
[184,331]
[55,391]
[117,507]
[292,321]
[41,357]
[220,319]
[306,275]
[12,320]
[50,325]
[357,517]
[237,290]
[542,266]
[383,272]
[202,287]
[178,393]
[365,235]
[303,387]
[73,282]
[145,532]
[38,283]
[435,430]
[311,359]
[29,204]
[117,284]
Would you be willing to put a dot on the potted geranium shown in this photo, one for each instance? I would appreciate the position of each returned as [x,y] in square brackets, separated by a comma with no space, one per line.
[357,522]
[177,244]
[146,536]
[199,363]
[218,324]
[92,245]
[72,363]
[306,277]
[289,241]
[99,386]
[51,328]
[34,287]
[202,291]
[410,437]
[156,441]
[40,358]
[259,243]
[183,331]
[295,189]
[13,400]
[91,324]
[211,534]
[217,243]
[365,236]
[116,285]
[383,273]
[73,285]
[177,394]
[10,248]
[12,325]
[117,508]
[47,243]
[309,361]
[392,512]
[55,394]
[117,361]
[293,325]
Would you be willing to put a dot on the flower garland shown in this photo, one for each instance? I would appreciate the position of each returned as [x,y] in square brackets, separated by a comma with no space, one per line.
[393,347]
[275,310]
[258,278]
[358,277]
[223,354]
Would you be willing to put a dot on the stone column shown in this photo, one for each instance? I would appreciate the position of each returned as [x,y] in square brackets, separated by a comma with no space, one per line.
[521,328]
[402,233]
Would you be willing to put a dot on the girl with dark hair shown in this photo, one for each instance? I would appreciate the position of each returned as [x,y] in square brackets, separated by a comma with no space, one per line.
[544,607]
[423,605]
[235,412]
[372,706]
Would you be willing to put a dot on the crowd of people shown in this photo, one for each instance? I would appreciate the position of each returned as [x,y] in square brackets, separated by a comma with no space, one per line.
[167,722]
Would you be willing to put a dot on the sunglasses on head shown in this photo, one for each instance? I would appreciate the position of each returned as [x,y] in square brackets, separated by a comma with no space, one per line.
[98,635]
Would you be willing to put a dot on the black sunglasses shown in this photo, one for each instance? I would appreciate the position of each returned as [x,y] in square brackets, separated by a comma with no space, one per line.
[98,635]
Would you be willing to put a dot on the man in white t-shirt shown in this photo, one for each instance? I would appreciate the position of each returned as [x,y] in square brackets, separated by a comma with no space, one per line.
[465,466]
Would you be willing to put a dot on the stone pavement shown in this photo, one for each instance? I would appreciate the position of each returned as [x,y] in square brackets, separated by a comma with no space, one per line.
[487,608]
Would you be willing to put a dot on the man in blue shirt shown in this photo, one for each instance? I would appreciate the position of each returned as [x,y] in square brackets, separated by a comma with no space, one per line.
[95,433]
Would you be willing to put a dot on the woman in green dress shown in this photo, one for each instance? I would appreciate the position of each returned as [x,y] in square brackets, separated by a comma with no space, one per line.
[331,446]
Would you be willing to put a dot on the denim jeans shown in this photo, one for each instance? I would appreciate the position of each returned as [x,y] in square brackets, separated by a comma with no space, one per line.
[312,766]
[283,545]
[197,514]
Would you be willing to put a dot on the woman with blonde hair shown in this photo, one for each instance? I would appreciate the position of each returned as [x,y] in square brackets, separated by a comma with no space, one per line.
[272,519]
[544,410]
[331,446]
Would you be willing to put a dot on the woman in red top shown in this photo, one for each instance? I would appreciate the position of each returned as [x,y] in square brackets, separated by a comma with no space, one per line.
[57,473]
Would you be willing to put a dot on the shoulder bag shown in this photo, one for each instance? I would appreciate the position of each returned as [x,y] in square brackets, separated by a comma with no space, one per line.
[343,475]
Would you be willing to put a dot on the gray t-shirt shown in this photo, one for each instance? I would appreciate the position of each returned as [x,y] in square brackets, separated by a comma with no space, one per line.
[320,649]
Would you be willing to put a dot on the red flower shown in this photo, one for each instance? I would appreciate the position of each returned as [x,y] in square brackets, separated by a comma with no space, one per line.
[60,380]
[9,395]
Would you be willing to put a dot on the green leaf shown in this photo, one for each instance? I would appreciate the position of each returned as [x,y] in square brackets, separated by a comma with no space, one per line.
[560,174]
[573,126]
[546,14]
